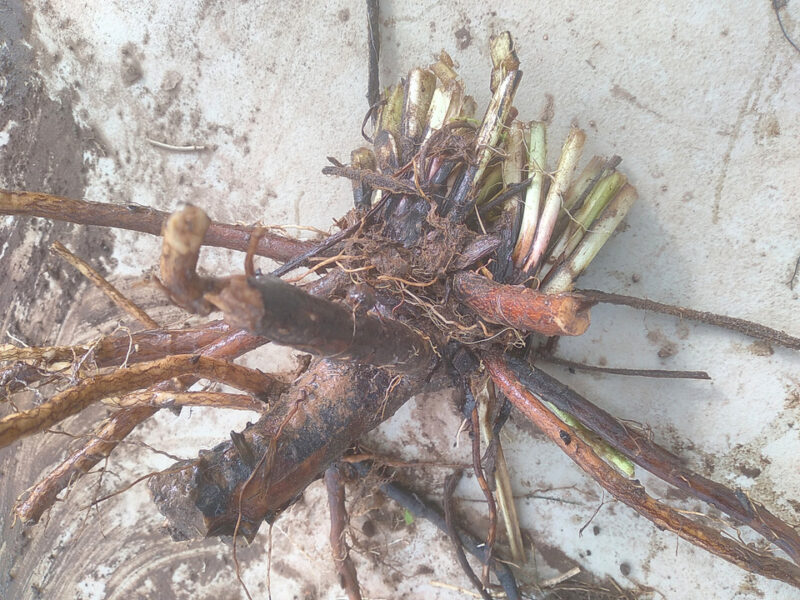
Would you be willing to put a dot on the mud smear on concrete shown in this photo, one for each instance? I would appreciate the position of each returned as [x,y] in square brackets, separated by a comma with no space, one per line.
[42,150]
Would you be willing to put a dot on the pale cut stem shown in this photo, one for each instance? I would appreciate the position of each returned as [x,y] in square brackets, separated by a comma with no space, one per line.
[469,108]
[597,200]
[597,168]
[491,185]
[563,278]
[447,97]
[504,58]
[570,155]
[578,191]
[494,121]
[392,113]
[462,200]
[537,159]
[419,92]
[444,68]
[514,163]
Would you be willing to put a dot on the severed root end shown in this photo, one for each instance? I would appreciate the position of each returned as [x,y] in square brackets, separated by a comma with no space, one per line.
[570,313]
[522,308]
[183,237]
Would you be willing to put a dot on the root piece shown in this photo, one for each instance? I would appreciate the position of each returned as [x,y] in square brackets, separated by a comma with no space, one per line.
[333,403]
[523,308]
[177,399]
[101,282]
[450,483]
[17,376]
[422,509]
[339,520]
[112,431]
[654,373]
[480,477]
[631,492]
[659,461]
[39,498]
[111,350]
[372,179]
[70,402]
[287,315]
[140,218]
[331,240]
[748,328]
[487,410]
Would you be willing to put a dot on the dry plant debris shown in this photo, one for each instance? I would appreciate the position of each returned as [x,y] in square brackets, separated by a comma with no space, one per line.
[456,264]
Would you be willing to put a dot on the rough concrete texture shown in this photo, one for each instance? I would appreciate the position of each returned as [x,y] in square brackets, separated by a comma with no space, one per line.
[700,100]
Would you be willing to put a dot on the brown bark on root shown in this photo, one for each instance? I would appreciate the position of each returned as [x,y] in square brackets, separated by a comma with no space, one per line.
[659,461]
[272,461]
[141,218]
[113,430]
[70,402]
[631,492]
[523,308]
[287,315]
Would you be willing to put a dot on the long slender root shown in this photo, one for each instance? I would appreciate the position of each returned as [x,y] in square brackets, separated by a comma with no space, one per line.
[422,509]
[659,461]
[70,402]
[178,399]
[748,328]
[630,492]
[109,290]
[450,483]
[113,430]
[341,553]
[140,218]
[110,351]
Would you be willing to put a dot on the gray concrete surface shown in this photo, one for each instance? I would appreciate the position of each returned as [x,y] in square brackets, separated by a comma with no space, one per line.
[700,100]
